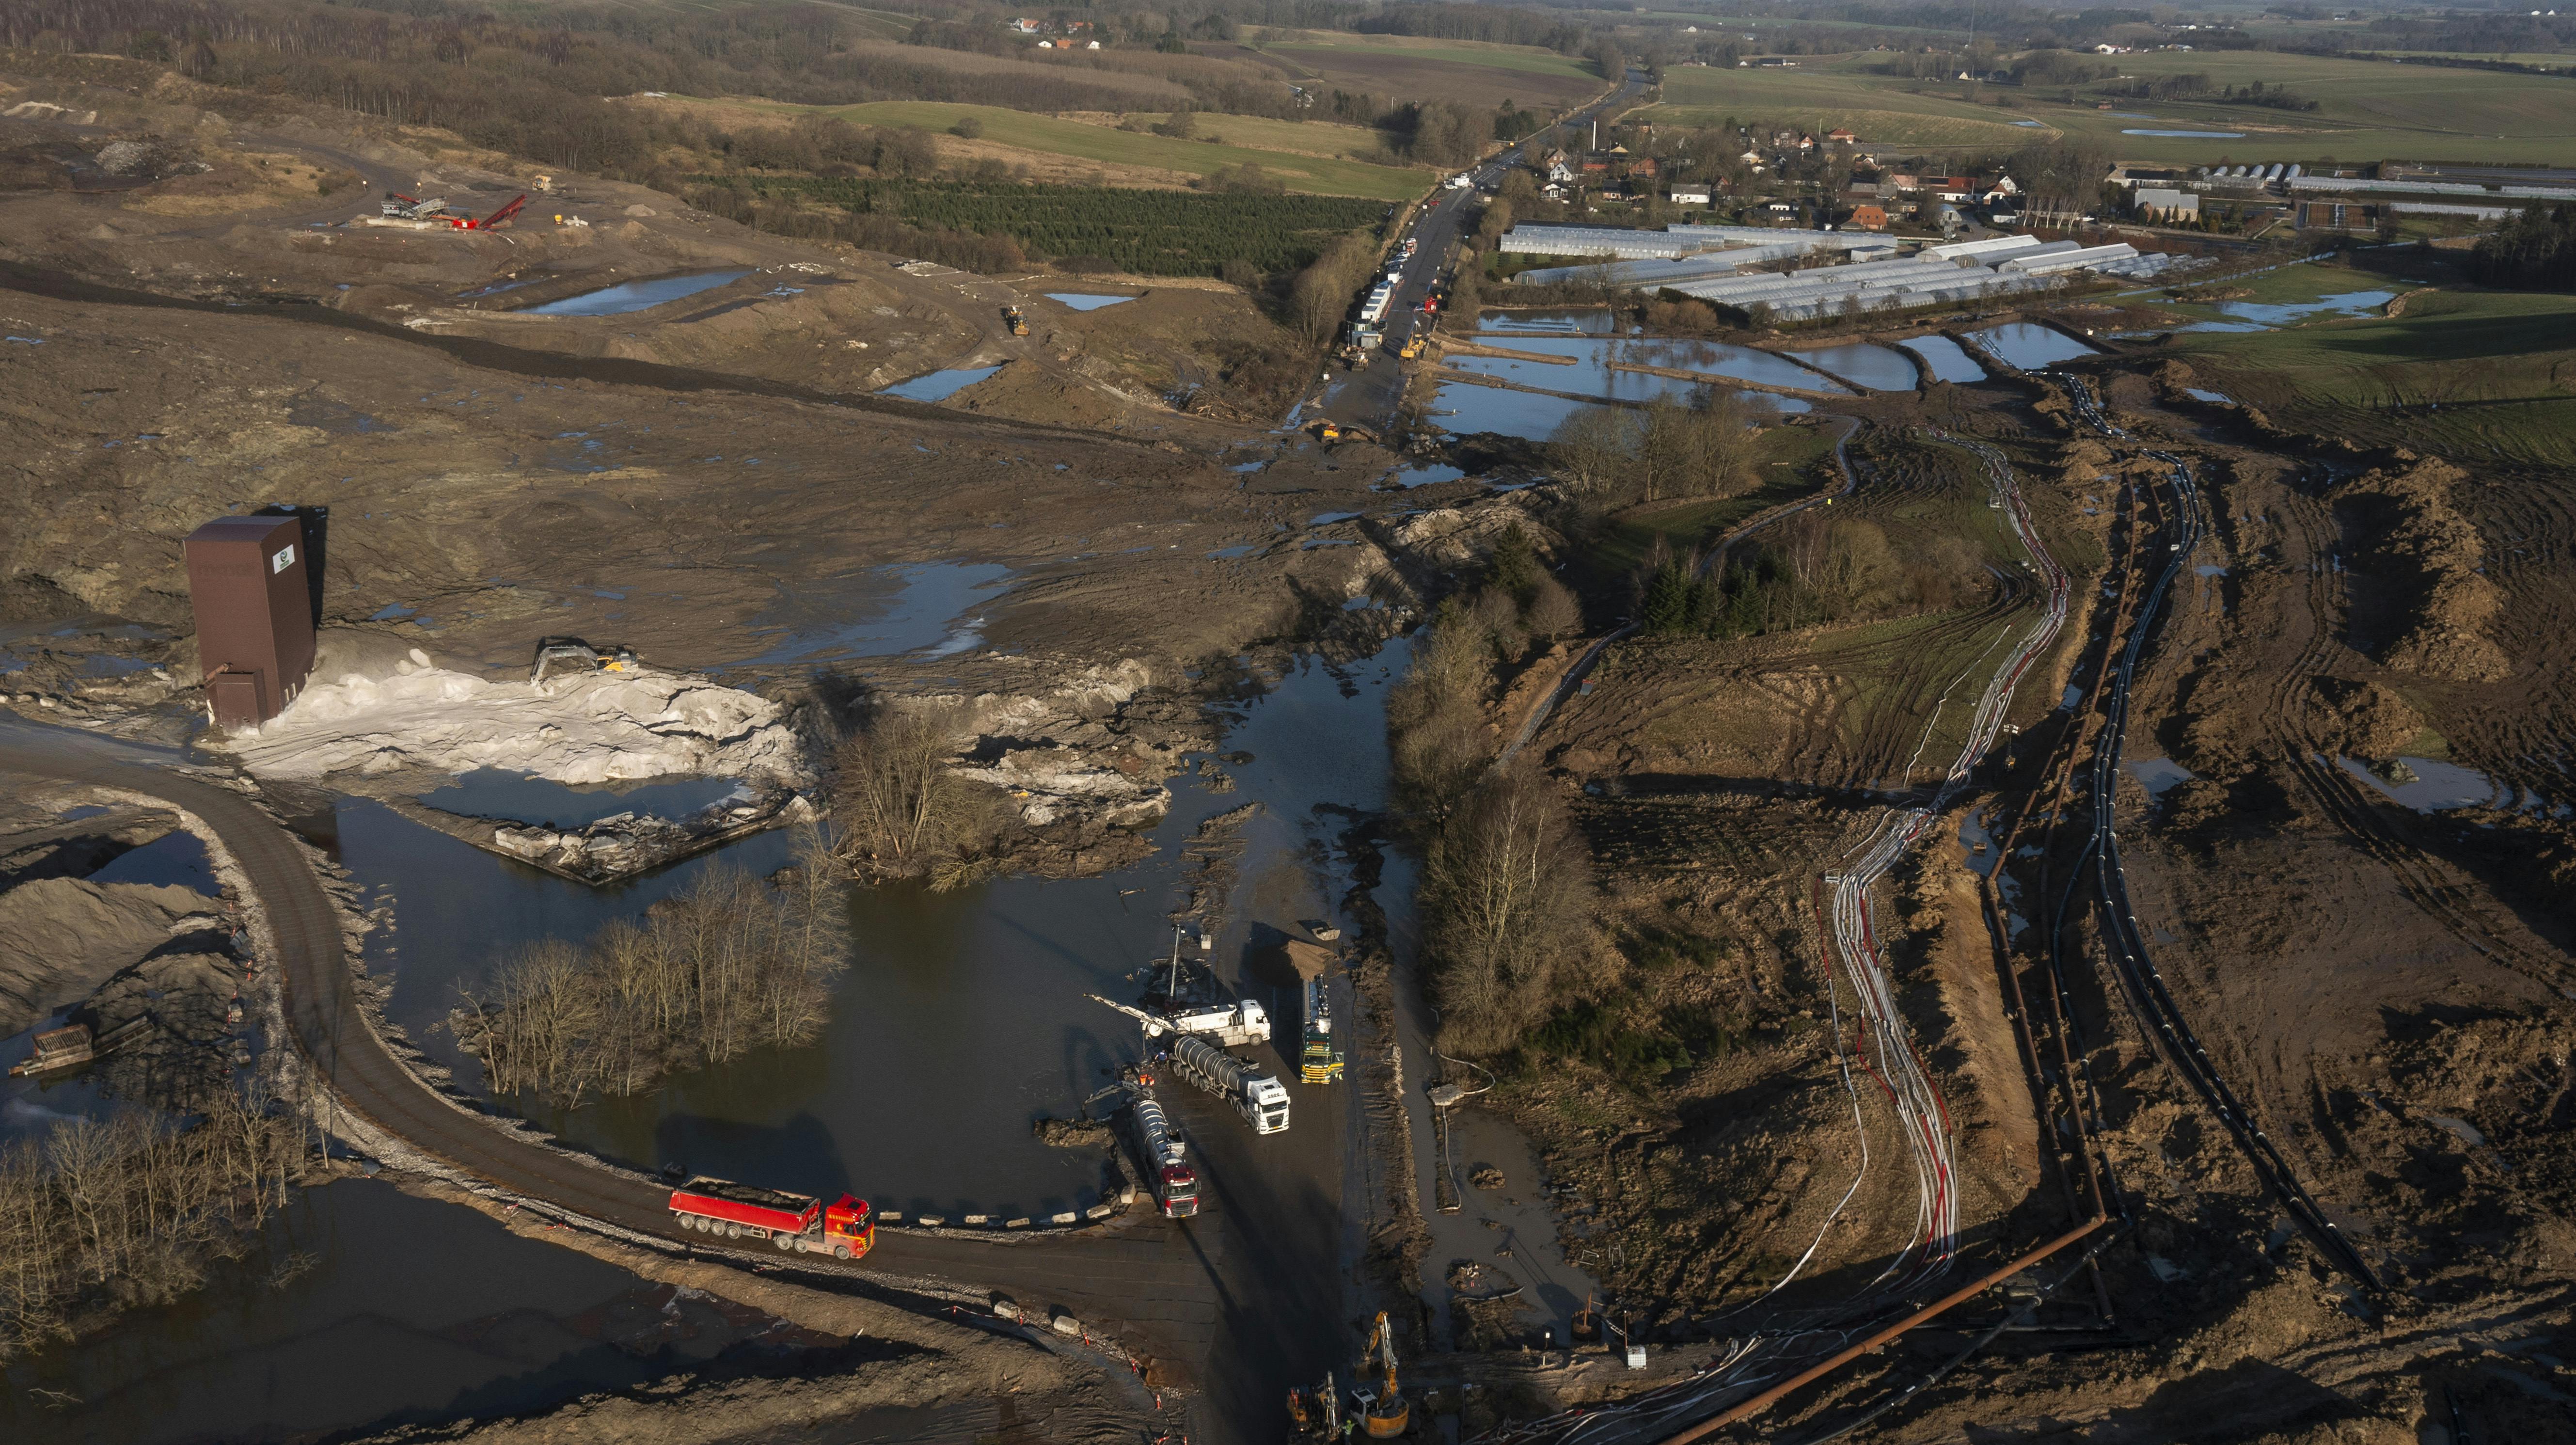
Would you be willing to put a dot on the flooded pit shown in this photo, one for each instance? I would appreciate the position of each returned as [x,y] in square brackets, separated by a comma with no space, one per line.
[1084,301]
[1948,360]
[521,798]
[1874,368]
[2031,346]
[1592,372]
[962,1019]
[635,295]
[878,612]
[939,385]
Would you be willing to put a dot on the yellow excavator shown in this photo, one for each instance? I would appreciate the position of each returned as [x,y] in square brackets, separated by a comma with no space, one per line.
[1383,1416]
[1019,323]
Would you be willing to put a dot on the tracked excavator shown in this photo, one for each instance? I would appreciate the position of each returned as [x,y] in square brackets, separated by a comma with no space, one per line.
[1383,1413]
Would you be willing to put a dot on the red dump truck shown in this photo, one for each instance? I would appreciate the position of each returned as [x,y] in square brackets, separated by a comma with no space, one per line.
[843,1230]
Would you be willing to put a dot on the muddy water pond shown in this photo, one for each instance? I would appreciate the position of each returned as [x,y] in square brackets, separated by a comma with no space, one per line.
[1591,373]
[939,385]
[635,295]
[2031,346]
[362,1306]
[879,612]
[1465,408]
[1873,368]
[1948,359]
[962,1019]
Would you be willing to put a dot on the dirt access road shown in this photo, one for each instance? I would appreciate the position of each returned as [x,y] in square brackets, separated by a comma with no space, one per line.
[1155,1281]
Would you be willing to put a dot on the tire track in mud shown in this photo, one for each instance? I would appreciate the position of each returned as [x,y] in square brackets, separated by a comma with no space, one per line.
[2432,884]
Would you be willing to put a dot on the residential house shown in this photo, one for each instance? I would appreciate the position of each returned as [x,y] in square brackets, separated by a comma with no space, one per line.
[1692,195]
[1949,188]
[1868,218]
[2002,190]
[1841,137]
[1646,167]
[1901,184]
[1027,27]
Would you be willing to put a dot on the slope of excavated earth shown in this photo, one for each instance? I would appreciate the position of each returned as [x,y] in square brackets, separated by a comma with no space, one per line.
[2388,989]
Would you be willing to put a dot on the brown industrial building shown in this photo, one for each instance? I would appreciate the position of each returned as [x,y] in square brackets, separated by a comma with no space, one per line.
[255,614]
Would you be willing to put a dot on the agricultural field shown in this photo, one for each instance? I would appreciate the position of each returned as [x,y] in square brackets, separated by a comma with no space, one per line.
[2367,111]
[1400,68]
[1147,232]
[1107,146]
[2477,375]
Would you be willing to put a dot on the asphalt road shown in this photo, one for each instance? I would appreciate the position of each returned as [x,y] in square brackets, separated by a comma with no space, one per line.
[1369,396]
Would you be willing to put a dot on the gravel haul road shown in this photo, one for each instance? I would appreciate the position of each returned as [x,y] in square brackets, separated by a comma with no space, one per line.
[1152,1280]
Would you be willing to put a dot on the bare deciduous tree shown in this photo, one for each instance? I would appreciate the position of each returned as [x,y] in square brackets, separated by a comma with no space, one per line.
[1506,894]
[892,790]
[730,965]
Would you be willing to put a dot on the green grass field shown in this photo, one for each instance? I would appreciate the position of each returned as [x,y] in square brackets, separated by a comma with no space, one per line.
[1316,175]
[1288,137]
[2472,375]
[2367,111]
[1527,59]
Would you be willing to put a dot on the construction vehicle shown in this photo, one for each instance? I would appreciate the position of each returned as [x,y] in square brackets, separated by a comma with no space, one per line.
[1316,1414]
[1019,323]
[412,208]
[1176,1184]
[1259,1098]
[1383,1413]
[492,222]
[1328,433]
[571,654]
[1185,1003]
[799,1222]
[1411,348]
[1230,1024]
[1321,1062]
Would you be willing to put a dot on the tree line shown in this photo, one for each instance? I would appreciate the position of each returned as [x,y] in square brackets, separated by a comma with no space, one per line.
[110,1213]
[1506,892]
[2535,250]
[728,965]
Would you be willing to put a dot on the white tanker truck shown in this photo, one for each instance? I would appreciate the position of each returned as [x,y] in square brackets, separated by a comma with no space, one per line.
[1259,1098]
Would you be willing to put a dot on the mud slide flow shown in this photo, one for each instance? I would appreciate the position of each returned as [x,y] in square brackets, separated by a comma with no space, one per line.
[1142,1277]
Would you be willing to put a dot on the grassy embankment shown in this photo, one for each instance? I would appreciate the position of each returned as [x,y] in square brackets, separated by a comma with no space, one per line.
[2367,110]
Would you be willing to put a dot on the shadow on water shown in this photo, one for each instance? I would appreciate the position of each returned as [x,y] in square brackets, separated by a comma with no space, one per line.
[361,1305]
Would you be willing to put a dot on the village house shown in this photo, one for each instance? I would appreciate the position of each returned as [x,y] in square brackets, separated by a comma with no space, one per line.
[1692,195]
[1868,218]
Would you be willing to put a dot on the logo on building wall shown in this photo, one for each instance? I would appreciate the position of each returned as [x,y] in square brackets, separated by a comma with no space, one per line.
[284,559]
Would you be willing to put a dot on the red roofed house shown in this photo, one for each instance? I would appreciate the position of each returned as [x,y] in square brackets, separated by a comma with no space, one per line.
[1868,218]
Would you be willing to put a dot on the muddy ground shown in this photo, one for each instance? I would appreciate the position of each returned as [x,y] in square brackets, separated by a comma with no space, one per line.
[1080,549]
[2387,989]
